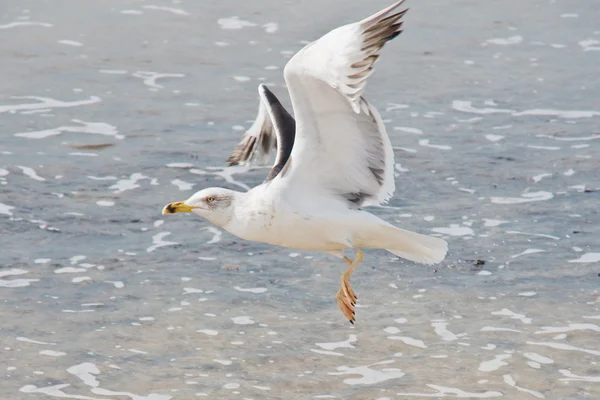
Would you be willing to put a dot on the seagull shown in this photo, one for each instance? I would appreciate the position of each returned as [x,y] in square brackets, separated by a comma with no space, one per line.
[332,159]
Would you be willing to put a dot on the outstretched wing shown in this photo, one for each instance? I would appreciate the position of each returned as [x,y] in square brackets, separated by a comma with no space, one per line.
[274,127]
[341,142]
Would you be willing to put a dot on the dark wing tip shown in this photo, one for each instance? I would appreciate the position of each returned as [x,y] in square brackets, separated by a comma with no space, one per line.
[243,151]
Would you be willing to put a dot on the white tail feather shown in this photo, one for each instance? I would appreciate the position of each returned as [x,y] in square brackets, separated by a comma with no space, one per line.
[402,243]
[416,247]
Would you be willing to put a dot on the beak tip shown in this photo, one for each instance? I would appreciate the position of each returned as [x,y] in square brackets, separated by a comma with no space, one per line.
[168,209]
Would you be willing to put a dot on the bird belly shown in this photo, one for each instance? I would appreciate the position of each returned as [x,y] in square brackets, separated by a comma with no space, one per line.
[301,231]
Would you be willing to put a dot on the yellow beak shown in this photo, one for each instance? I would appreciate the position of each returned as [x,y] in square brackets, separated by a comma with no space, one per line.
[177,207]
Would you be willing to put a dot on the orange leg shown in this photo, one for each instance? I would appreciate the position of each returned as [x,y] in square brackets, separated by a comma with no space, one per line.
[346,298]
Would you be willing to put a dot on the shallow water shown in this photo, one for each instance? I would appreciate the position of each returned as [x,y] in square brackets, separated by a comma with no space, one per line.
[112,109]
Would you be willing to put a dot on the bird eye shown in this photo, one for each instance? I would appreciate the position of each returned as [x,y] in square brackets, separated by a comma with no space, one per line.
[210,199]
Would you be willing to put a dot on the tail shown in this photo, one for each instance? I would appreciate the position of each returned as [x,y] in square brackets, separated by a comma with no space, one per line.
[409,245]
[419,248]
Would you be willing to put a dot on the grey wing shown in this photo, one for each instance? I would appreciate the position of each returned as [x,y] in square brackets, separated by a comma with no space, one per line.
[274,127]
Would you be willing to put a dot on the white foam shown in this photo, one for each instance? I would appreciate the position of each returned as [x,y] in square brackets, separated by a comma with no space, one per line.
[69,270]
[569,328]
[15,283]
[27,340]
[564,346]
[528,251]
[128,184]
[30,172]
[113,71]
[526,198]
[137,351]
[512,315]
[567,114]
[326,352]
[409,341]
[46,102]
[12,272]
[345,344]
[54,391]
[591,316]
[132,12]
[192,290]
[538,358]
[590,44]
[251,290]
[216,234]
[573,377]
[52,353]
[243,320]
[527,294]
[176,11]
[79,279]
[225,173]
[572,139]
[180,165]
[234,23]
[498,329]
[182,185]
[443,391]
[241,79]
[70,43]
[271,27]
[208,332]
[25,23]
[443,332]
[494,138]
[496,363]
[97,128]
[86,372]
[425,143]
[506,41]
[534,234]
[552,148]
[510,381]
[105,203]
[490,223]
[83,154]
[467,106]
[587,258]
[149,78]
[5,209]
[539,177]
[369,376]
[42,260]
[159,242]
[231,386]
[455,230]
[414,131]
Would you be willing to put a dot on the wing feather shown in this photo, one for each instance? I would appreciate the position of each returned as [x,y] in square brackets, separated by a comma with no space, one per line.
[341,142]
[273,127]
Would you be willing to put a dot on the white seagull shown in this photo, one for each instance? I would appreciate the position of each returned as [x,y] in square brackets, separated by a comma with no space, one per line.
[332,159]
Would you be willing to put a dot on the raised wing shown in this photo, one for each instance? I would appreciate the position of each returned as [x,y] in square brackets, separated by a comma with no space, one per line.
[274,127]
[341,142]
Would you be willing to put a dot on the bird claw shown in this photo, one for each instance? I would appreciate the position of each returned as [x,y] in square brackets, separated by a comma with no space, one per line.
[346,300]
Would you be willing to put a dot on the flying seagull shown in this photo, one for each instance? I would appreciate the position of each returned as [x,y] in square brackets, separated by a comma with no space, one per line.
[332,159]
